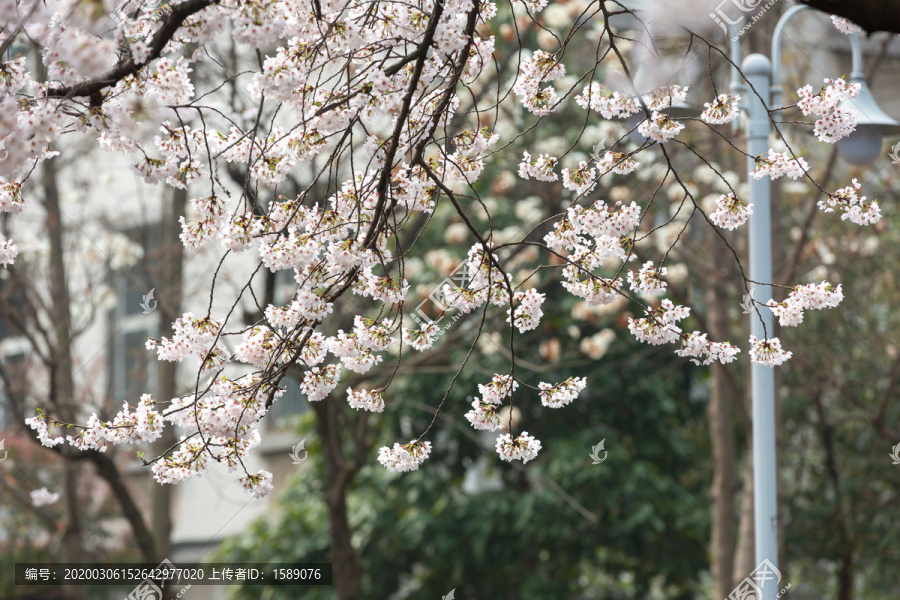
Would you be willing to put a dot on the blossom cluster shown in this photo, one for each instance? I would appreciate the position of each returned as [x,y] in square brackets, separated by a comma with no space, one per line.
[228,413]
[828,98]
[594,290]
[724,109]
[582,180]
[484,415]
[8,251]
[541,67]
[665,97]
[318,383]
[659,326]
[659,127]
[776,164]
[854,207]
[701,351]
[11,200]
[648,279]
[370,400]
[768,352]
[39,424]
[592,236]
[404,458]
[473,142]
[485,282]
[188,461]
[192,337]
[616,162]
[612,105]
[43,497]
[834,122]
[845,26]
[421,339]
[730,212]
[143,425]
[500,387]
[258,484]
[541,168]
[805,297]
[556,396]
[524,447]
[598,228]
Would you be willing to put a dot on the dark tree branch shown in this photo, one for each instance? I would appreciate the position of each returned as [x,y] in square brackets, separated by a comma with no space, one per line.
[93,87]
[871,15]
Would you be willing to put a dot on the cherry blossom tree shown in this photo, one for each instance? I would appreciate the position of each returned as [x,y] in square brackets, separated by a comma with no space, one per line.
[45,329]
[384,110]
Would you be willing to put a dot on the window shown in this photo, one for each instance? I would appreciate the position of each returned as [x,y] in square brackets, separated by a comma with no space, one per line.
[12,305]
[292,402]
[133,320]
[13,349]
[13,353]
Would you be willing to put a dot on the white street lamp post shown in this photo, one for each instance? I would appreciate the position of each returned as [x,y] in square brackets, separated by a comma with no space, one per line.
[758,69]
[859,148]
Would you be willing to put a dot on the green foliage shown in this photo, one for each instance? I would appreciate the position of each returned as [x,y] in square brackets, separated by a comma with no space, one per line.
[840,486]
[557,527]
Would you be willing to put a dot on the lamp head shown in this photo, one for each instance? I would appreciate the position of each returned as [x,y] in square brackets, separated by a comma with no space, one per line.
[861,147]
[864,145]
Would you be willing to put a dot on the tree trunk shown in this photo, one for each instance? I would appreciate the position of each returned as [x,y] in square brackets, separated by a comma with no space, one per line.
[345,562]
[62,394]
[169,304]
[107,469]
[841,521]
[724,485]
[745,554]
[170,296]
[338,475]
[845,575]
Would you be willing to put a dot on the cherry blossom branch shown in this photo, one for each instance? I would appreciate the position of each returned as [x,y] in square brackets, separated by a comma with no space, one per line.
[166,32]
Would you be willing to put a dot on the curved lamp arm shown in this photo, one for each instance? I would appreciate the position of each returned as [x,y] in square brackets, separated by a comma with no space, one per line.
[776,50]
[856,72]
[856,69]
[863,145]
[735,57]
